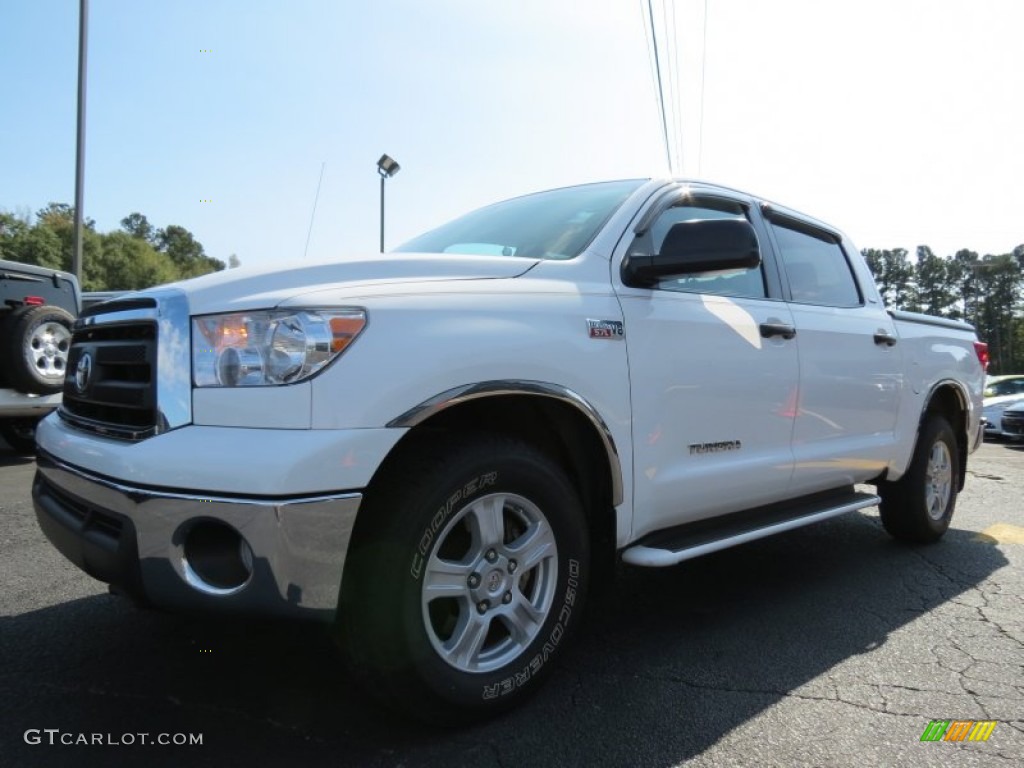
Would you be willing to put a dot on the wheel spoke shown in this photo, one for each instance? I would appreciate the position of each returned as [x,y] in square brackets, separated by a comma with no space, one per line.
[939,479]
[533,546]
[488,521]
[443,578]
[486,580]
[523,621]
[468,638]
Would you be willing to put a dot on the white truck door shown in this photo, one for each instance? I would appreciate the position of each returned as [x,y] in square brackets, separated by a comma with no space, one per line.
[713,378]
[851,367]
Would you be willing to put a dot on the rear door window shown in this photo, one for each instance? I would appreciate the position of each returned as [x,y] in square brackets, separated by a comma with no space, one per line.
[816,266]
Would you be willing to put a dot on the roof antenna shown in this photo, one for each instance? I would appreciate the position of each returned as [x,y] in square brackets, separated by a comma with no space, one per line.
[313,215]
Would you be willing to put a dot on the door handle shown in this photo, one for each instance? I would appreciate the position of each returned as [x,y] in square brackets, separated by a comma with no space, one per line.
[882,336]
[775,328]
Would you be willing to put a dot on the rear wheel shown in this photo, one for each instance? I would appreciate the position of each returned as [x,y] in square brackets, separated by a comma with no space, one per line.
[466,579]
[919,506]
[36,354]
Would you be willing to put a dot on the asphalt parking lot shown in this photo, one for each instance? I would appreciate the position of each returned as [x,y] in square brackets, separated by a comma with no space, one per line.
[828,646]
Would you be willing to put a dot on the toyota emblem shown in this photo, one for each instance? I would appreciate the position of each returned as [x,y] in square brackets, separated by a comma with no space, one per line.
[83,372]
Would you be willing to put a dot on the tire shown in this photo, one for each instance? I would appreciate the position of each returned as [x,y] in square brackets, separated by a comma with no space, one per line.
[20,434]
[37,345]
[466,579]
[919,506]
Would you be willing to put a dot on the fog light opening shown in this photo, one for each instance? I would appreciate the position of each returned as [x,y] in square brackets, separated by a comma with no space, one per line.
[216,559]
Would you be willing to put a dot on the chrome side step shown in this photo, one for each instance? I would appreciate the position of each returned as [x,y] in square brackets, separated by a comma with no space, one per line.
[666,548]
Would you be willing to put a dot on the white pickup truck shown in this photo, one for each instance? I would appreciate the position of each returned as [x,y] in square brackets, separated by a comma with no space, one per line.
[442,448]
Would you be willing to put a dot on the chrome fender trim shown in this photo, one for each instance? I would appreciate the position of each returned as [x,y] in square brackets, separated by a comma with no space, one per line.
[420,413]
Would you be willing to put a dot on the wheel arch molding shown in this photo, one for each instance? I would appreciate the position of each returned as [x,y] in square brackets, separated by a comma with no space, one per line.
[428,410]
[948,399]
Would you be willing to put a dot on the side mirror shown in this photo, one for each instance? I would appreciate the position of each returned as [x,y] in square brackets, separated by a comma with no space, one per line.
[692,247]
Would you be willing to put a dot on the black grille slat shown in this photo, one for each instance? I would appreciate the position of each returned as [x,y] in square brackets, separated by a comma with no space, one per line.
[119,396]
[88,517]
[112,419]
[121,355]
[118,393]
[119,332]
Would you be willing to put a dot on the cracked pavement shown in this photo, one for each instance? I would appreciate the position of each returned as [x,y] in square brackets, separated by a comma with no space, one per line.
[828,646]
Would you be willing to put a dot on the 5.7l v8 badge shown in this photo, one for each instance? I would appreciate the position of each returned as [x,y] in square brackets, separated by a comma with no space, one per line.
[605,329]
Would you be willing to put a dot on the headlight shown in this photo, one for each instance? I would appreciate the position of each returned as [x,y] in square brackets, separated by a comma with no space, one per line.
[252,349]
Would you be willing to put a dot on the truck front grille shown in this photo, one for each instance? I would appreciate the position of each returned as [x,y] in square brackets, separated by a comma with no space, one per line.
[1013,424]
[110,386]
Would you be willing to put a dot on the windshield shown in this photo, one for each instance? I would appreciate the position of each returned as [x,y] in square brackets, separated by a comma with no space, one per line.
[1011,386]
[557,224]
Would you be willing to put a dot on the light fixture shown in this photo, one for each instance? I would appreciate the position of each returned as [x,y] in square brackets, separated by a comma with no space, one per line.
[386,167]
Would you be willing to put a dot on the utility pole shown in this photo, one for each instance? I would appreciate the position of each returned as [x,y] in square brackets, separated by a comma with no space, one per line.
[83,34]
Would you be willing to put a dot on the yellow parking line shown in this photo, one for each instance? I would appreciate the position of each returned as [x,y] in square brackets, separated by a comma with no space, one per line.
[1002,533]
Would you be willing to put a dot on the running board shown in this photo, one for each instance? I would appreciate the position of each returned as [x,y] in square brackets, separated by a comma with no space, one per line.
[663,548]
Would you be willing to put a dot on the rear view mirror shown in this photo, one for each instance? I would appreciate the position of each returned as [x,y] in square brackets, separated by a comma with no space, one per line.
[692,247]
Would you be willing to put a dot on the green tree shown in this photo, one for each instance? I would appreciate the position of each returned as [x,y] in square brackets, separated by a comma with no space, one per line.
[130,263]
[137,225]
[997,281]
[186,252]
[30,245]
[893,274]
[178,243]
[128,259]
[936,290]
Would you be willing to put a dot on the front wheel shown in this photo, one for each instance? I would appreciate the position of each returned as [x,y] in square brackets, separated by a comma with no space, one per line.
[919,506]
[467,576]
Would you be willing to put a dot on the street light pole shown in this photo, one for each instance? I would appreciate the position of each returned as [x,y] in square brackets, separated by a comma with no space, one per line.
[83,29]
[386,167]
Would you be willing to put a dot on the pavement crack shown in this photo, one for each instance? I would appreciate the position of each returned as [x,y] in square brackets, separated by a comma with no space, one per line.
[838,697]
[497,755]
[985,475]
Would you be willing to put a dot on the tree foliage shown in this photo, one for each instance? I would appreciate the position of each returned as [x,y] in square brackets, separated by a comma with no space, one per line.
[893,273]
[134,257]
[986,291]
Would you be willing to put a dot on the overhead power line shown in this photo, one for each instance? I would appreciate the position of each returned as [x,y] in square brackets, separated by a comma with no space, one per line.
[676,81]
[313,215]
[703,73]
[661,91]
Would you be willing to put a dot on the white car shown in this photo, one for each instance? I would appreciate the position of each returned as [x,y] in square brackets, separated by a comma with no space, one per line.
[1001,392]
[1013,422]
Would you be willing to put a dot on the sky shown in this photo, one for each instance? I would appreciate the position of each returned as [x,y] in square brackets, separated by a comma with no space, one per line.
[898,121]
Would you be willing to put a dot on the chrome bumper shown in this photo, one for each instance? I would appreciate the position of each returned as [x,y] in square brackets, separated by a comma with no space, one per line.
[18,404]
[135,539]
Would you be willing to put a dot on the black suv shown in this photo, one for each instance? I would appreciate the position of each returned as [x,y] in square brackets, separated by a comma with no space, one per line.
[37,309]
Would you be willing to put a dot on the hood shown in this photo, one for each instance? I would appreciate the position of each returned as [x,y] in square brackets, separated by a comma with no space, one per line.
[1003,401]
[244,288]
